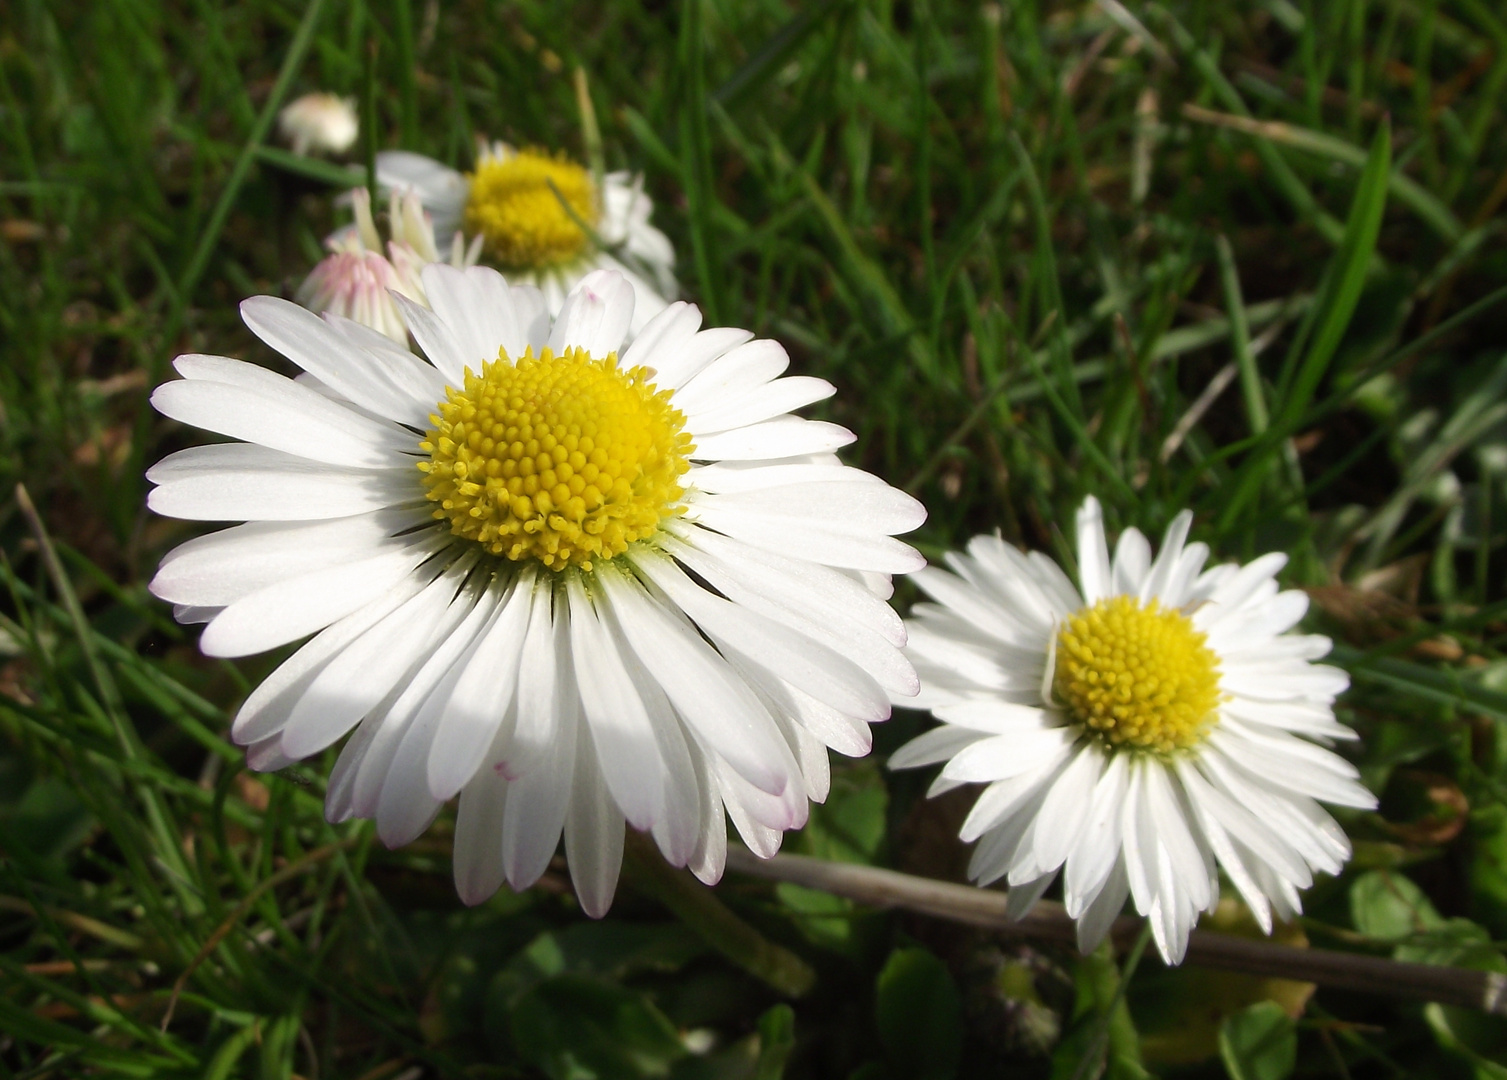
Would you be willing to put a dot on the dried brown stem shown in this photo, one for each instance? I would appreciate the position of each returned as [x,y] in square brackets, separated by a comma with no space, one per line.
[868,885]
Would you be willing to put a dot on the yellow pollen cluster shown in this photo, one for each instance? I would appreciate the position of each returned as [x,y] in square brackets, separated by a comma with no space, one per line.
[1137,676]
[512,205]
[564,459]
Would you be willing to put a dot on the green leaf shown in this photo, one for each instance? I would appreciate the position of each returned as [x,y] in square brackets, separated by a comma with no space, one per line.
[776,1041]
[772,55]
[919,1015]
[849,826]
[1259,1043]
[1330,314]
[607,950]
[1387,905]
[575,1027]
[1480,1040]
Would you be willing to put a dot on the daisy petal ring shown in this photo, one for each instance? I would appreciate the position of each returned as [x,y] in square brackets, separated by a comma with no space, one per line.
[574,585]
[1134,735]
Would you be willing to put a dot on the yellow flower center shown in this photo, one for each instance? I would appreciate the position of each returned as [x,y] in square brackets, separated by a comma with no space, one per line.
[513,205]
[1137,676]
[564,459]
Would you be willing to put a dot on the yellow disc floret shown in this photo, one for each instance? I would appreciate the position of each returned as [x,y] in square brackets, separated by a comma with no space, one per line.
[513,205]
[1138,676]
[561,458]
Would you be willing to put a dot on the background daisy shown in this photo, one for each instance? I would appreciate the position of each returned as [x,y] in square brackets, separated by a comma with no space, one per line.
[512,203]
[1135,733]
[574,588]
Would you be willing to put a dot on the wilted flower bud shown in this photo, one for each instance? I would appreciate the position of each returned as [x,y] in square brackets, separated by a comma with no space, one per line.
[319,123]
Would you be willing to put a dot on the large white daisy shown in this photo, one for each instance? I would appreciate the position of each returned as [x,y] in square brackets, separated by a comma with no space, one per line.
[574,587]
[512,201]
[1136,734]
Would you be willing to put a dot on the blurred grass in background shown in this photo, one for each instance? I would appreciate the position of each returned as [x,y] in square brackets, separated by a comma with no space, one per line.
[1247,257]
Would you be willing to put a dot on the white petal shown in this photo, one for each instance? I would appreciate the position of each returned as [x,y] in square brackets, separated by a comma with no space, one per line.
[441,190]
[593,835]
[709,858]
[299,606]
[1005,799]
[435,337]
[477,307]
[977,609]
[619,725]
[1283,681]
[220,568]
[1239,587]
[995,717]
[333,358]
[544,659]
[777,597]
[815,719]
[782,437]
[678,359]
[242,482]
[354,682]
[1093,552]
[283,415]
[1155,583]
[762,403]
[1132,562]
[1098,847]
[267,756]
[1003,756]
[405,807]
[824,592]
[595,316]
[478,837]
[732,376]
[1065,812]
[856,509]
[774,647]
[539,798]
[930,747]
[715,704]
[1256,835]
[532,314]
[824,542]
[1100,914]
[418,382]
[265,711]
[477,705]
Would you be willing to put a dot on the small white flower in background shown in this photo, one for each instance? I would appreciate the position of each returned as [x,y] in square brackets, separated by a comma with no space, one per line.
[356,281]
[576,586]
[1136,734]
[319,123]
[511,203]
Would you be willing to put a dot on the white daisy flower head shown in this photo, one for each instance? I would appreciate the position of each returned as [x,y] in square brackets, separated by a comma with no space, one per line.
[356,280]
[319,123]
[1136,734]
[576,584]
[527,207]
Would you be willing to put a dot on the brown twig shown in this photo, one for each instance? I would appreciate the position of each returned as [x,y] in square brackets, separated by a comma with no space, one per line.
[1482,990]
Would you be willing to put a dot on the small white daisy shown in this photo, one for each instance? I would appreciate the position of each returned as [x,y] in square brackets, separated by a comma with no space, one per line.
[357,281]
[1158,724]
[319,123]
[512,202]
[574,588]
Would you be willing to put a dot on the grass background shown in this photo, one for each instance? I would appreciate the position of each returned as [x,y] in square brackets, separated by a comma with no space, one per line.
[1245,257]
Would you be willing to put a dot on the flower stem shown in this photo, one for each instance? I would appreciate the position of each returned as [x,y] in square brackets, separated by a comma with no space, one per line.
[698,907]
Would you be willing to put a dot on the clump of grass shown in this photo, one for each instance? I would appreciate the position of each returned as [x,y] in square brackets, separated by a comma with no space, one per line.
[1244,258]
